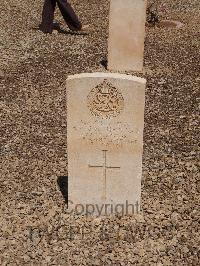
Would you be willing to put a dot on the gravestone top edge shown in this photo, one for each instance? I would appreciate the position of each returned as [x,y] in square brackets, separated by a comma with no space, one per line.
[107,75]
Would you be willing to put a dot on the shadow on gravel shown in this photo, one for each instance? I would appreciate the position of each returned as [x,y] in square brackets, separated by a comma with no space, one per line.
[62,182]
[104,63]
[61,31]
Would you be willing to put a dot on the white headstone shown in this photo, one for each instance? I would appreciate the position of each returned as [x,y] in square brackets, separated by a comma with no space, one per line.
[126,35]
[105,139]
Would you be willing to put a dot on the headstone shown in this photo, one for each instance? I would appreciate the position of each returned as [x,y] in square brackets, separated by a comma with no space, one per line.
[126,35]
[105,139]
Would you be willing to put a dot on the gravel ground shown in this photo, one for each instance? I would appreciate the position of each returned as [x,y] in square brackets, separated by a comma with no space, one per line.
[35,227]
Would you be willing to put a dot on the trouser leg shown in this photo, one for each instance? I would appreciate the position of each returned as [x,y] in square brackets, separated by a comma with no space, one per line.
[69,15]
[47,16]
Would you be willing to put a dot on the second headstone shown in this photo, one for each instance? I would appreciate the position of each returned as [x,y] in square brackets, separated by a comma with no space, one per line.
[126,35]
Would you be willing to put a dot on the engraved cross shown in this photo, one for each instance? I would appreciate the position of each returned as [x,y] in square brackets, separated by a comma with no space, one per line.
[105,167]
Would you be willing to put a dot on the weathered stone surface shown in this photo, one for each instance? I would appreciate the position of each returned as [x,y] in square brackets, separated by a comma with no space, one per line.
[126,35]
[105,138]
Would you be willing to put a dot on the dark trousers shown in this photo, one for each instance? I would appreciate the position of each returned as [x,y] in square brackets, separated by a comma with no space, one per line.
[67,12]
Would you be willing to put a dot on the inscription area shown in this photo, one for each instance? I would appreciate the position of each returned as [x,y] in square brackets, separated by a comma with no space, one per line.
[105,168]
[105,100]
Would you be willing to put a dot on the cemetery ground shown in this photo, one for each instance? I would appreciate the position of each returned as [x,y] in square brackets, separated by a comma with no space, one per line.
[35,228]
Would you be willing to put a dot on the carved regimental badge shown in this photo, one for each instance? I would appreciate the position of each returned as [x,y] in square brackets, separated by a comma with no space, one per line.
[105,100]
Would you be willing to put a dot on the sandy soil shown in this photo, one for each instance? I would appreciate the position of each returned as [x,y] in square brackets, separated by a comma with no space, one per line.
[35,227]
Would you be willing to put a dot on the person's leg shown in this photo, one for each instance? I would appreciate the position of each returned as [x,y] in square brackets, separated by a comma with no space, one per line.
[47,16]
[69,15]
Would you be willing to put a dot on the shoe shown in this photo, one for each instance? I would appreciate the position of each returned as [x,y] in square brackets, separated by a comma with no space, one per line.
[56,25]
